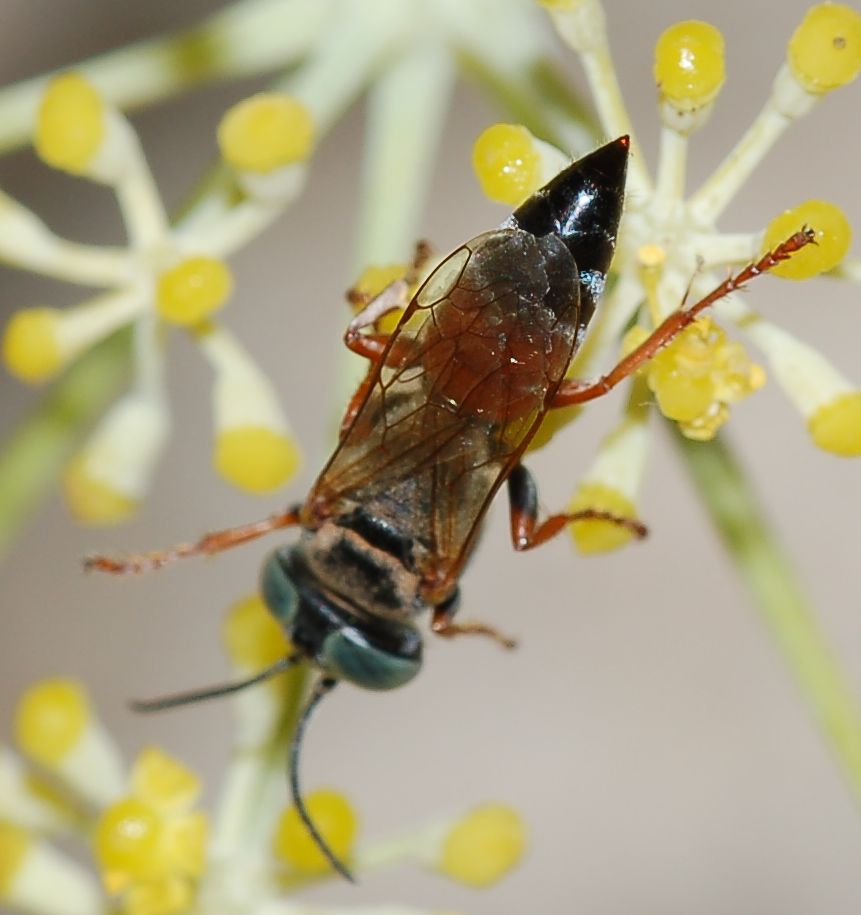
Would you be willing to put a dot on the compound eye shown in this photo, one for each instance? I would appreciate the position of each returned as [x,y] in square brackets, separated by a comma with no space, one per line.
[278,591]
[348,655]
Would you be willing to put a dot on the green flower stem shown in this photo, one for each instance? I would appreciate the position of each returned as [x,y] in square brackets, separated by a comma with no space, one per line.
[769,574]
[33,455]
[244,39]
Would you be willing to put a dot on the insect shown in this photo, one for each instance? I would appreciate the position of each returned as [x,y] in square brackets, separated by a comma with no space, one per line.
[451,400]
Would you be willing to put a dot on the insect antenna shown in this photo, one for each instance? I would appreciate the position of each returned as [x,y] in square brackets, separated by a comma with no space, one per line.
[321,688]
[175,700]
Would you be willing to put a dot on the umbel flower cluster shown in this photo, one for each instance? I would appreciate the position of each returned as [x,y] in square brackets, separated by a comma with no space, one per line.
[670,248]
[176,276]
[167,277]
[157,853]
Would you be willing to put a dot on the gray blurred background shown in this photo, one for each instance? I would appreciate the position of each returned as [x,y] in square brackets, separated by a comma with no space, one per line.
[646,727]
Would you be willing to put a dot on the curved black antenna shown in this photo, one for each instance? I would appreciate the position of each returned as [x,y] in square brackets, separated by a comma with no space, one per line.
[321,688]
[213,692]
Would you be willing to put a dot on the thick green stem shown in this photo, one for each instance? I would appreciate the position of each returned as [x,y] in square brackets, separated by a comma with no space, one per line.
[769,574]
[33,455]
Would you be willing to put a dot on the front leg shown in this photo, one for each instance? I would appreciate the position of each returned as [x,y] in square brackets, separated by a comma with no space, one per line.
[208,545]
[526,530]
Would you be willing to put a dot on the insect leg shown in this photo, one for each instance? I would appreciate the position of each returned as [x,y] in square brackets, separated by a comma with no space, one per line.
[441,624]
[209,544]
[528,532]
[395,296]
[371,346]
[574,392]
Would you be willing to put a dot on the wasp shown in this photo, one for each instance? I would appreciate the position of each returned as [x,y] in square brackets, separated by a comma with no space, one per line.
[452,398]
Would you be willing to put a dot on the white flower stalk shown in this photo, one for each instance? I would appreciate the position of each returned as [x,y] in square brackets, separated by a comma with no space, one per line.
[26,802]
[36,878]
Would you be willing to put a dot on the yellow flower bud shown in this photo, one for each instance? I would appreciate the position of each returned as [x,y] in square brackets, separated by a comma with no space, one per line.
[266,132]
[833,238]
[484,846]
[165,896]
[689,64]
[507,163]
[256,459]
[31,350]
[128,843]
[71,124]
[253,638]
[51,719]
[193,290]
[162,782]
[825,50]
[836,426]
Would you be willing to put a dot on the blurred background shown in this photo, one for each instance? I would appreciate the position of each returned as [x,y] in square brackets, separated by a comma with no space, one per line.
[645,727]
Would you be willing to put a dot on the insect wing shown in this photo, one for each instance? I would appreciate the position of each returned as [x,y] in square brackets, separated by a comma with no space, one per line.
[456,396]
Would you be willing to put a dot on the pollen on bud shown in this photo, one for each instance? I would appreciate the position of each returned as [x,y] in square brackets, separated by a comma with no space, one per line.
[824,53]
[151,847]
[193,290]
[70,127]
[596,536]
[15,845]
[484,846]
[31,350]
[336,820]
[689,64]
[163,782]
[266,132]
[253,638]
[836,426]
[51,719]
[698,375]
[507,163]
[167,896]
[256,459]
[127,843]
[833,238]
[92,500]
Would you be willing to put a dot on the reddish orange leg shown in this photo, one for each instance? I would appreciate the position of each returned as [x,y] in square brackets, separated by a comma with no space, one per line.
[442,624]
[373,308]
[216,542]
[527,532]
[574,392]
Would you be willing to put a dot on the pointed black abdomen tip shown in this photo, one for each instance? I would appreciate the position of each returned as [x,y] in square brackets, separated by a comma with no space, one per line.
[582,204]
[582,207]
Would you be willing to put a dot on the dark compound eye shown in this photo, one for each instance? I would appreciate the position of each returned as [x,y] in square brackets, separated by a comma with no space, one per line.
[348,655]
[279,592]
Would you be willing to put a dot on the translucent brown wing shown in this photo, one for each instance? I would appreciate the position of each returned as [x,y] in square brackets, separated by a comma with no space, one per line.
[457,395]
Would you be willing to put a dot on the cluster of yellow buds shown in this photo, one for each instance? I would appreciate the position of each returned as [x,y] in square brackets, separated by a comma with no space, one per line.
[167,277]
[154,851]
[669,246]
